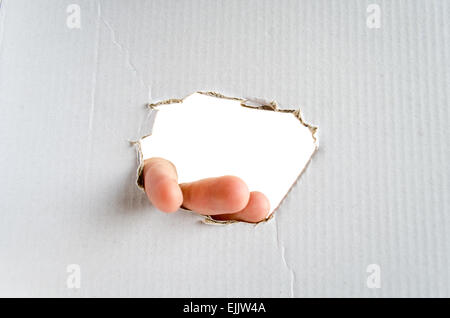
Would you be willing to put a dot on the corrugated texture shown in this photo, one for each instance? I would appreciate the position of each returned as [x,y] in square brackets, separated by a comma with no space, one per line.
[376,192]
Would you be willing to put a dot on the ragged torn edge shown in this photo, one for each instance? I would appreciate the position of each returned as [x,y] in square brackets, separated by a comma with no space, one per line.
[271,106]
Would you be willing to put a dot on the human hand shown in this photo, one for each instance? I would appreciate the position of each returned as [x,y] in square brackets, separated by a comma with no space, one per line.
[223,198]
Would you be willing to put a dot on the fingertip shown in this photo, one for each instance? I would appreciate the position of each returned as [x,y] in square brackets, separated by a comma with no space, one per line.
[218,195]
[257,210]
[233,192]
[167,196]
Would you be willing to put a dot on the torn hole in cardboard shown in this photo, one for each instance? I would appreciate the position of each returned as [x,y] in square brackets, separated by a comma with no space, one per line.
[207,134]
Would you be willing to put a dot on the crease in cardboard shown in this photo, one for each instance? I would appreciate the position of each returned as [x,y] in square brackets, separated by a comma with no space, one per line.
[283,258]
[95,71]
[2,24]
[93,96]
[128,60]
[126,52]
[271,106]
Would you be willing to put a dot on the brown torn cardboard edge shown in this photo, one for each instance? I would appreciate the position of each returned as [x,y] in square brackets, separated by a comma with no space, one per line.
[271,106]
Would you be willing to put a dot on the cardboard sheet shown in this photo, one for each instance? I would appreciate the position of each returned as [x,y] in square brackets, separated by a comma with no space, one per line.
[371,210]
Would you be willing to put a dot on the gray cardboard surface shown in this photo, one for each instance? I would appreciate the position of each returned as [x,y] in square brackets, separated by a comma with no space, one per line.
[376,192]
